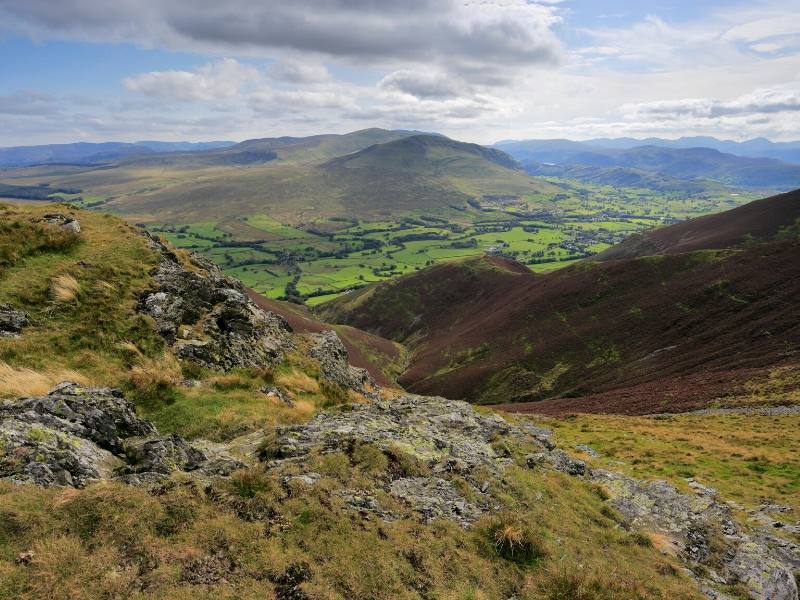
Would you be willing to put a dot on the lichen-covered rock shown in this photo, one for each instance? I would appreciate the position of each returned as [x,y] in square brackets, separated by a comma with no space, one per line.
[100,415]
[272,391]
[75,435]
[162,455]
[363,502]
[33,453]
[436,498]
[12,321]
[449,437]
[558,460]
[704,533]
[208,318]
[63,222]
[438,431]
[335,367]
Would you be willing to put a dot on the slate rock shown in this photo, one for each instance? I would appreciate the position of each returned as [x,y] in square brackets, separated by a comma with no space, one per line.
[208,318]
[12,321]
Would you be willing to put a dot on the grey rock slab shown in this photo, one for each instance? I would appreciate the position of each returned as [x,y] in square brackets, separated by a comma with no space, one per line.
[696,524]
[75,435]
[335,367]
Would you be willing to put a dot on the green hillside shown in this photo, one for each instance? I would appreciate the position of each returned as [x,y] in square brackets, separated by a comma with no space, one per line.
[294,180]
[313,217]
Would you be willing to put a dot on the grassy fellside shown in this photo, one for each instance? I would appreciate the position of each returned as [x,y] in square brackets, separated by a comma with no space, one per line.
[555,539]
[80,293]
[746,457]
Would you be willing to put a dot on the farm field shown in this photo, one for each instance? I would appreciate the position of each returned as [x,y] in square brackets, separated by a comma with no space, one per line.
[321,260]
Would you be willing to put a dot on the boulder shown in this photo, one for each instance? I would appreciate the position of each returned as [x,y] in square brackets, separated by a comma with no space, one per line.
[100,415]
[12,321]
[63,222]
[558,460]
[208,318]
[161,455]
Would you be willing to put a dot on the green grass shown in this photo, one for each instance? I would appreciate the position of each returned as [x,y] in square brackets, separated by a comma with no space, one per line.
[745,457]
[110,265]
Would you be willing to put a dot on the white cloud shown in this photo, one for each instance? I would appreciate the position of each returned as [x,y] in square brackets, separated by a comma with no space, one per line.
[473,36]
[760,101]
[214,81]
[298,72]
[422,84]
[478,70]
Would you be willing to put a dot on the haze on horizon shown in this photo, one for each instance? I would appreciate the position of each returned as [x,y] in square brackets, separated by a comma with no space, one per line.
[476,70]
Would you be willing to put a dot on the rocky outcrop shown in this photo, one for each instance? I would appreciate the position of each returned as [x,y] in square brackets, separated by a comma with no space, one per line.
[449,437]
[64,222]
[704,534]
[335,367]
[207,317]
[456,444]
[12,321]
[75,435]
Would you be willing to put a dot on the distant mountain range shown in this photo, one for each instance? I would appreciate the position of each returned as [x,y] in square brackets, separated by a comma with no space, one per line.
[620,166]
[83,153]
[755,148]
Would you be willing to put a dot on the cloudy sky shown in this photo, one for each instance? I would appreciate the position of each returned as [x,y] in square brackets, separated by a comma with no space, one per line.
[477,70]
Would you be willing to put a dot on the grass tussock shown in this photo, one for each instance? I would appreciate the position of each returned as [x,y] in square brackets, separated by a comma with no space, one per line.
[299,381]
[515,541]
[28,382]
[152,380]
[64,288]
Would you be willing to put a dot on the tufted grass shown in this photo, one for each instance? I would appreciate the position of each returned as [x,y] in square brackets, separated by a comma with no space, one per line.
[27,382]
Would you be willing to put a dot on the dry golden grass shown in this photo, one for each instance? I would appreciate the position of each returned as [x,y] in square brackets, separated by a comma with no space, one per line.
[148,372]
[299,382]
[28,382]
[130,349]
[231,381]
[64,288]
[510,536]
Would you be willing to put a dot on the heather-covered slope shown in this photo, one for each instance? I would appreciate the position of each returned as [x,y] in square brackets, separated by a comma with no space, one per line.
[686,328]
[757,221]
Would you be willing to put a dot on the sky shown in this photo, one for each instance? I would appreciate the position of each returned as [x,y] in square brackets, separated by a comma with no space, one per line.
[475,70]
